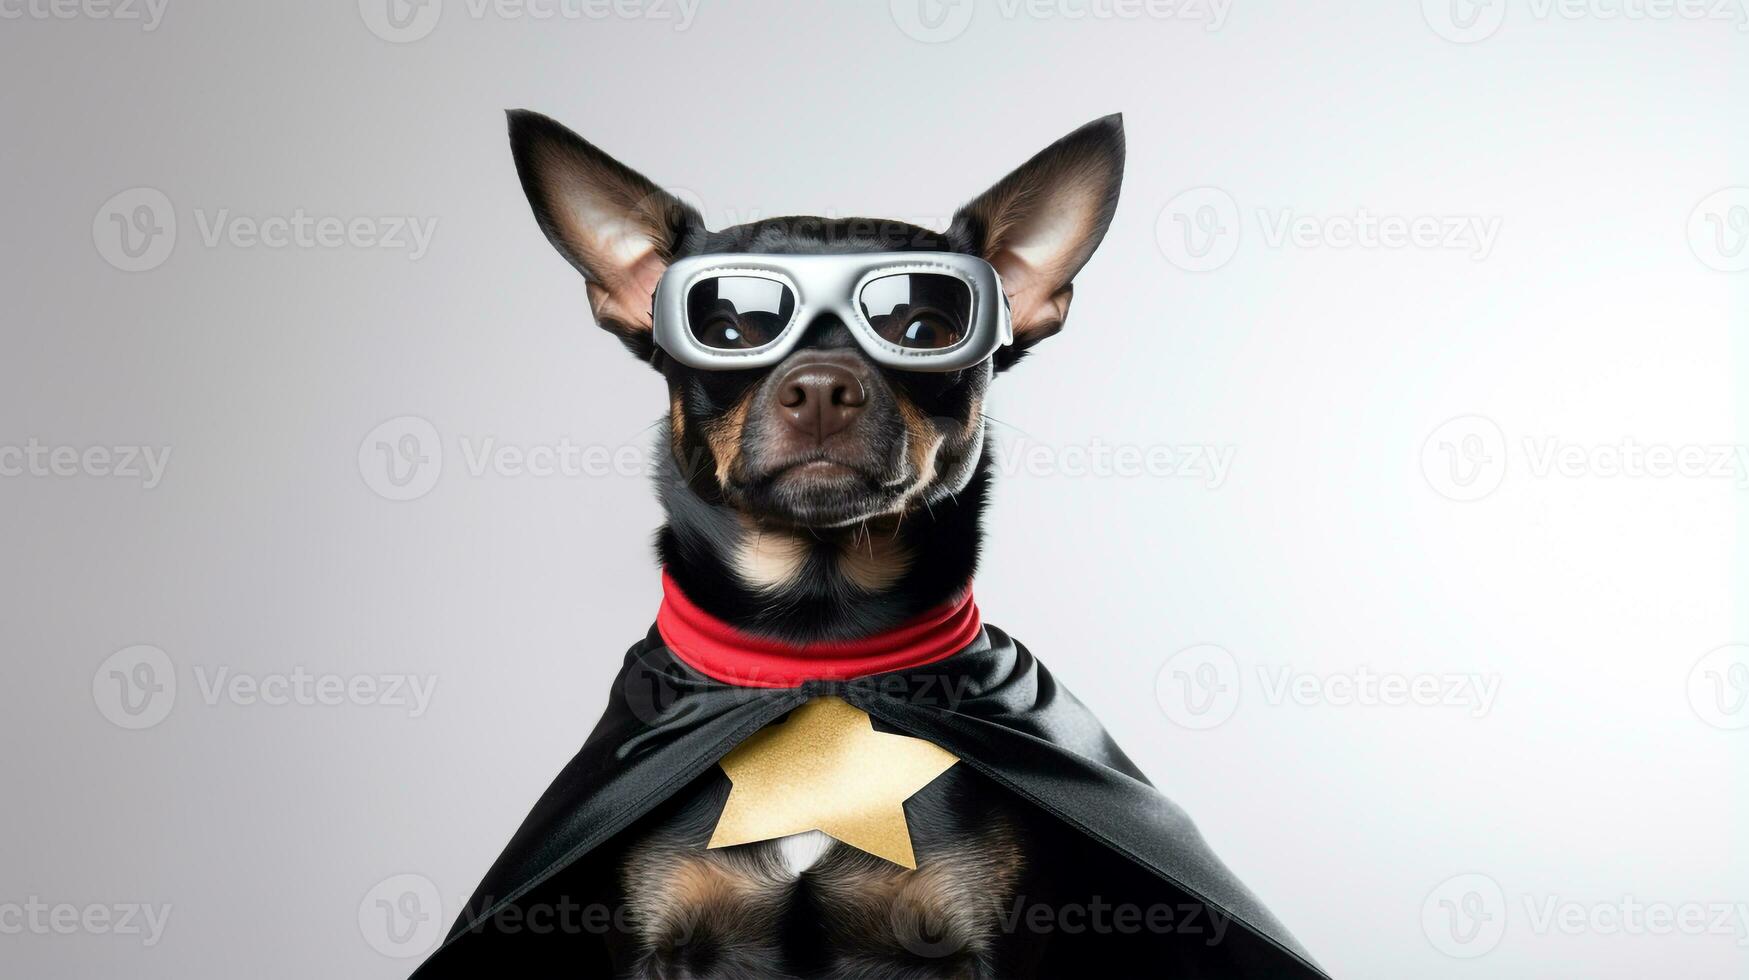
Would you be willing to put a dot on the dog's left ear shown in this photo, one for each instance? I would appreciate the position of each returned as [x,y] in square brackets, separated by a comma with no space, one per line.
[1039,225]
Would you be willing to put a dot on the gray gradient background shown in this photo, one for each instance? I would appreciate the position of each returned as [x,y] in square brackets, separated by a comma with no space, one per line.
[1588,597]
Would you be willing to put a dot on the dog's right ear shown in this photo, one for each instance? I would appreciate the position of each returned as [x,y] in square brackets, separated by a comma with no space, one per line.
[1040,224]
[616,227]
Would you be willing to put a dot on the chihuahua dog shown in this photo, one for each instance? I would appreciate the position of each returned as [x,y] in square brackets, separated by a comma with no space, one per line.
[826,496]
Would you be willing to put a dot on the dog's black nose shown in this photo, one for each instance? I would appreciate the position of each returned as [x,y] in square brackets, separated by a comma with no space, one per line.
[819,398]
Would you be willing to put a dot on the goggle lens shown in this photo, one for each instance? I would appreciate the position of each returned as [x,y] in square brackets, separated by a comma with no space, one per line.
[738,312]
[918,310]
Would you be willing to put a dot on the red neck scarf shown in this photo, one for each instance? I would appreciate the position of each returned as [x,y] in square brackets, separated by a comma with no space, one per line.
[722,652]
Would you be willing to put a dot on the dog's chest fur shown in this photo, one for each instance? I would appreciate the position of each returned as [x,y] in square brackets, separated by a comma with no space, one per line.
[809,906]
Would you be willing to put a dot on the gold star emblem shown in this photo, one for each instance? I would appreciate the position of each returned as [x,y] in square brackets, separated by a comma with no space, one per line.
[827,769]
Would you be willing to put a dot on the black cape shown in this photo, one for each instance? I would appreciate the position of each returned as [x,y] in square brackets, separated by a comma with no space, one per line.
[993,705]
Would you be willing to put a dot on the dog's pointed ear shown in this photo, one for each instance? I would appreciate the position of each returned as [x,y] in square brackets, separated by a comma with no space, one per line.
[1039,225]
[608,220]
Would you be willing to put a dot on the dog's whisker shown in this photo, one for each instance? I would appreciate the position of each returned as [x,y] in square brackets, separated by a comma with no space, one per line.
[635,434]
[1007,425]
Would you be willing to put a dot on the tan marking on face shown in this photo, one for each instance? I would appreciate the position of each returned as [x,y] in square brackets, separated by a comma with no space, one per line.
[676,427]
[769,559]
[874,561]
[921,442]
[724,437]
[963,451]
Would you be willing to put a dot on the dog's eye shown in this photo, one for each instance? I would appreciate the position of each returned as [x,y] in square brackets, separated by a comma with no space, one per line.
[738,312]
[727,331]
[919,310]
[923,329]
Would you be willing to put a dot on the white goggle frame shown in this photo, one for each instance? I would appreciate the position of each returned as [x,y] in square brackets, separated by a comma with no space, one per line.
[833,284]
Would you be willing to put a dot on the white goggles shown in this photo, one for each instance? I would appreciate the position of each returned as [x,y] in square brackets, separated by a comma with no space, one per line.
[912,311]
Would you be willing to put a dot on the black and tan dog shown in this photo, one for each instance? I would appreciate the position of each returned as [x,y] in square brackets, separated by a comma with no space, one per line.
[822,524]
[827,499]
